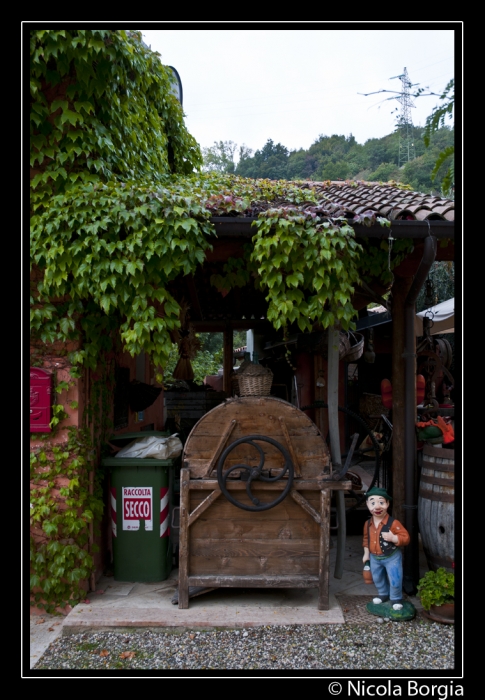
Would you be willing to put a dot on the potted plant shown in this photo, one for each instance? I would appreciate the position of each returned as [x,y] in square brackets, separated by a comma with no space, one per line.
[436,590]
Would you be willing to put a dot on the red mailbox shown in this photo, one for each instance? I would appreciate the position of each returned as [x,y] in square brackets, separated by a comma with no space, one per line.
[40,400]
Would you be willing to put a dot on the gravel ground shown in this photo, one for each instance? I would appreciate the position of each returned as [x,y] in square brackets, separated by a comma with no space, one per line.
[417,644]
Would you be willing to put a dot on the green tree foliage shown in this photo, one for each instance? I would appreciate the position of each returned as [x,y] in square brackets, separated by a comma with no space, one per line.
[335,170]
[328,158]
[436,122]
[385,173]
[239,339]
[419,172]
[220,157]
[338,157]
[302,165]
[212,342]
[204,363]
[268,163]
[209,358]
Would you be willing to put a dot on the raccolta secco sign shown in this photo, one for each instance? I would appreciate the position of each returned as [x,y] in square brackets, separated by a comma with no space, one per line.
[137,505]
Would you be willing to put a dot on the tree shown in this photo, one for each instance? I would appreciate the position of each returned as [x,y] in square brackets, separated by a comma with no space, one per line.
[435,121]
[203,364]
[419,172]
[385,172]
[220,157]
[270,162]
[335,170]
[301,165]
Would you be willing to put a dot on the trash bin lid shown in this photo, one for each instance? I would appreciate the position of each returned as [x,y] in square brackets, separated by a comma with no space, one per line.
[142,462]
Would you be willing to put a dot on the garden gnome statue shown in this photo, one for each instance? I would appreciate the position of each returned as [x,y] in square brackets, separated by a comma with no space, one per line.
[384,536]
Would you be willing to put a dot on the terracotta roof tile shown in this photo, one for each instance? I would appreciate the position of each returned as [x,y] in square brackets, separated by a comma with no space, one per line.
[432,216]
[384,211]
[401,213]
[423,213]
[387,199]
[443,208]
[360,208]
[415,207]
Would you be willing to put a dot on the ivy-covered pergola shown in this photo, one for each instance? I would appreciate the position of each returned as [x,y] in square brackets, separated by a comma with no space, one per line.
[122,220]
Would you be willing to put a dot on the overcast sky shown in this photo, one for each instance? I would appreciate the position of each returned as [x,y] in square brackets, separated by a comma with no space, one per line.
[248,85]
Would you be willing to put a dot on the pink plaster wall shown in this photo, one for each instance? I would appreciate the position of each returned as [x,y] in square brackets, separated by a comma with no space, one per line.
[79,391]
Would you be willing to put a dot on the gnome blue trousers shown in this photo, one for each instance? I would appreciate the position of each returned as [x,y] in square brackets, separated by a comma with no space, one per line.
[387,575]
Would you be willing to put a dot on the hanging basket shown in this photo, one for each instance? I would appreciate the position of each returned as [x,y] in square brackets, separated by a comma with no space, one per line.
[255,380]
[356,350]
[318,343]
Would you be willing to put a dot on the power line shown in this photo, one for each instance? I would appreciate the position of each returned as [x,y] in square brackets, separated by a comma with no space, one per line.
[269,97]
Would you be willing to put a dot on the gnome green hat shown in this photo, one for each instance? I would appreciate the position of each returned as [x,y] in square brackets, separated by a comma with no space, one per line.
[378,492]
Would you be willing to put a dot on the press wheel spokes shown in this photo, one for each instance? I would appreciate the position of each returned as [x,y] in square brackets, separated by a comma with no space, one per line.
[253,474]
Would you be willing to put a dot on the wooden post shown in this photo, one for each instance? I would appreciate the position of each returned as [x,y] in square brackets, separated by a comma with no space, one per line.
[334,430]
[323,565]
[184,539]
[400,291]
[228,360]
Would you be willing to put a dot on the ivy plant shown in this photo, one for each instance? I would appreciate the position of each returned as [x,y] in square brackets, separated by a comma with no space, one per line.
[119,210]
[61,510]
[66,498]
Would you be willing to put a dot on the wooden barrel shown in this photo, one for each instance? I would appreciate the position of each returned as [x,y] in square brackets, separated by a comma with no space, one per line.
[436,507]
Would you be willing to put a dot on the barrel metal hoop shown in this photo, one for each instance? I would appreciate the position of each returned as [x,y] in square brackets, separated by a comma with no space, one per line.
[441,466]
[437,497]
[436,481]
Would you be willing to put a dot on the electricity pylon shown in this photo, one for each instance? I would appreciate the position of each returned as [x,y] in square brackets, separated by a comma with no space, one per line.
[407,151]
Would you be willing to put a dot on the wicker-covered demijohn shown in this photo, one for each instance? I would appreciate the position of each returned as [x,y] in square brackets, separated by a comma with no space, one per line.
[255,380]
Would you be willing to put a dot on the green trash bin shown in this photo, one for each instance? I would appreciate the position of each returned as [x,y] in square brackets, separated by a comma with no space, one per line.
[141,495]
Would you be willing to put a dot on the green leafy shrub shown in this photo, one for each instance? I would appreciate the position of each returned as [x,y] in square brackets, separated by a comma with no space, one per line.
[62,509]
[436,588]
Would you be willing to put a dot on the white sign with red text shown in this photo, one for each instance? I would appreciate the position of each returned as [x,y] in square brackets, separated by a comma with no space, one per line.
[137,505]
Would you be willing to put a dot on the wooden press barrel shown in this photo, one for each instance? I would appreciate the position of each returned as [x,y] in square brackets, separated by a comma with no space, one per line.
[436,507]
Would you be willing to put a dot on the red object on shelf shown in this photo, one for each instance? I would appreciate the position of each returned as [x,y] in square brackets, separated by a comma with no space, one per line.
[420,389]
[40,400]
[386,393]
